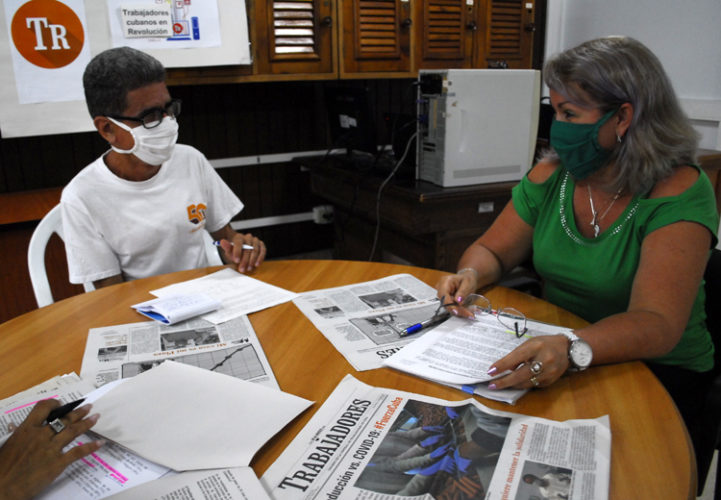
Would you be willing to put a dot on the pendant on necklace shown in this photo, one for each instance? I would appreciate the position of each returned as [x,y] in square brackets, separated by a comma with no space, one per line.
[596,229]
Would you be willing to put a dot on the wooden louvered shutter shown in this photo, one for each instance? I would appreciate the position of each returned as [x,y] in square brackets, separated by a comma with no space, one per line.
[376,35]
[507,37]
[443,28]
[298,36]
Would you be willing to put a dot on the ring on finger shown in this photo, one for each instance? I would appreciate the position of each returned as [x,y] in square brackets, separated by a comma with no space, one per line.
[57,425]
[535,381]
[536,367]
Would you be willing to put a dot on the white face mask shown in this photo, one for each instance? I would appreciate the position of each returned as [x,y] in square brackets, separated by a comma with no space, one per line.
[155,145]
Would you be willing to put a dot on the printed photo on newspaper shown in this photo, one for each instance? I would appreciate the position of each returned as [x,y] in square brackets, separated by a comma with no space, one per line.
[122,351]
[365,322]
[376,443]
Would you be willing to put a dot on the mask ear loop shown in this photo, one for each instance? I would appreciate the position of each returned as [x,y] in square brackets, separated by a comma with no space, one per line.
[128,129]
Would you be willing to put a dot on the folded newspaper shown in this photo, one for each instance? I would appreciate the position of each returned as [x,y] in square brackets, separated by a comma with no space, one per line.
[376,443]
[365,321]
[123,351]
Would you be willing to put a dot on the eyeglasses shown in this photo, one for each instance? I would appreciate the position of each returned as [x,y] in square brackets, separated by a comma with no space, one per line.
[151,118]
[510,317]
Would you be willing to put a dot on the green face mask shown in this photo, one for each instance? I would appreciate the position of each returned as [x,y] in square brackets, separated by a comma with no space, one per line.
[577,146]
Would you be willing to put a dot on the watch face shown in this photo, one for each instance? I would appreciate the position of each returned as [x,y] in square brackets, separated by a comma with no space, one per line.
[580,354]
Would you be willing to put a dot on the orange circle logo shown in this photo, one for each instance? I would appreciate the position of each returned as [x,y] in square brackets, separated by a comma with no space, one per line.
[47,33]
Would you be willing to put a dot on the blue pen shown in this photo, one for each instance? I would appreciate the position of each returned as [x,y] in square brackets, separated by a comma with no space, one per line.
[245,247]
[433,321]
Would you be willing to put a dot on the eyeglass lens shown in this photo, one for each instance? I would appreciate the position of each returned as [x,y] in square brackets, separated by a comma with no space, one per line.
[154,116]
[511,318]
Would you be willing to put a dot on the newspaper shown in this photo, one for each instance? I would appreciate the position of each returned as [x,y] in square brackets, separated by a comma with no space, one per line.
[122,351]
[364,321]
[460,352]
[375,443]
[64,388]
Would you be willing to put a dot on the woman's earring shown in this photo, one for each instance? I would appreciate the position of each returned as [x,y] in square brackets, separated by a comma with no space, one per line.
[618,138]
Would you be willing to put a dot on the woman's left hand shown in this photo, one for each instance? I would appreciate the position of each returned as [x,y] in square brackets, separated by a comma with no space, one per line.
[538,362]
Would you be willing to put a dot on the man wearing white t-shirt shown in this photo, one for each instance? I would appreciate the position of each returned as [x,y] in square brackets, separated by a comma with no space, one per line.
[141,208]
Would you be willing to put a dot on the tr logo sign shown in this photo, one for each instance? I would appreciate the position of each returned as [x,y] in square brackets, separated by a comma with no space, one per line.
[47,33]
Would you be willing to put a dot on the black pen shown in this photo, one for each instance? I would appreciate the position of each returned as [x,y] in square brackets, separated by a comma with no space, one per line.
[433,321]
[63,410]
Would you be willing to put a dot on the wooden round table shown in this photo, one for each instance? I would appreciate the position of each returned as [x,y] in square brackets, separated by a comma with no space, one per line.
[651,455]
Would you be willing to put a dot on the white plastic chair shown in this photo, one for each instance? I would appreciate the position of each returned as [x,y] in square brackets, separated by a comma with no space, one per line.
[51,223]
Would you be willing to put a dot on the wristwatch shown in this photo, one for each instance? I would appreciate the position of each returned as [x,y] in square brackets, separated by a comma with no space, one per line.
[580,353]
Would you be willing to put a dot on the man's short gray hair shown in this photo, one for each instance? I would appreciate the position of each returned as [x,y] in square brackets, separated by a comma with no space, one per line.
[113,73]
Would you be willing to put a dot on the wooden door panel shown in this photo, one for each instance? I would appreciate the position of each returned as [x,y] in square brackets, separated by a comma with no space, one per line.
[294,36]
[506,37]
[445,29]
[375,36]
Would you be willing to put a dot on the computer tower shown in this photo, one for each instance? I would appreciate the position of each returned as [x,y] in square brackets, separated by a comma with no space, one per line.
[476,126]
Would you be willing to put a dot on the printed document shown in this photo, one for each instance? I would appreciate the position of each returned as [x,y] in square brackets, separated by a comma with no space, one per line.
[364,321]
[122,351]
[187,418]
[226,484]
[378,443]
[239,294]
[461,351]
[109,470]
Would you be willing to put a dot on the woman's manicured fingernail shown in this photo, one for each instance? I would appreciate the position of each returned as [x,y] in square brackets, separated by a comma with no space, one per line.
[492,386]
[492,370]
[459,299]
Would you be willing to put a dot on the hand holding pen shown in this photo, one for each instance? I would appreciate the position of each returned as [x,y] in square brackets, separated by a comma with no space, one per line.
[245,250]
[33,456]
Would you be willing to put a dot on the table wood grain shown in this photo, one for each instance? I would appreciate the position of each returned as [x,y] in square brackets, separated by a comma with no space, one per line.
[651,455]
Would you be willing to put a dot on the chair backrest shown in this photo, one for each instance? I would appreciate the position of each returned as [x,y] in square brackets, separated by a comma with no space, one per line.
[211,251]
[51,223]
[710,425]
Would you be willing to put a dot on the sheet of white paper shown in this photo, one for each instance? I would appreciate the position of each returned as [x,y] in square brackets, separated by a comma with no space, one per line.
[227,484]
[109,470]
[238,293]
[460,352]
[187,418]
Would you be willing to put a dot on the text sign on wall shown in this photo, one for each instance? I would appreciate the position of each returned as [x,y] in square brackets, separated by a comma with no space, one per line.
[147,20]
[49,49]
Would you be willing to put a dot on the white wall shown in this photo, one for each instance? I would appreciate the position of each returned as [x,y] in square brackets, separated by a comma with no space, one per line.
[686,37]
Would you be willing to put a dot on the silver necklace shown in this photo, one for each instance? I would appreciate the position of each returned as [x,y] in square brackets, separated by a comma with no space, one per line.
[596,219]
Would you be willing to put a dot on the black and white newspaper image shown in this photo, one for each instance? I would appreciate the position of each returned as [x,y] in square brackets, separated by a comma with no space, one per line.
[376,443]
[365,321]
[123,351]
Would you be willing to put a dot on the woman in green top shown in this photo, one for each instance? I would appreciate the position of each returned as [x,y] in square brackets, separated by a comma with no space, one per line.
[619,221]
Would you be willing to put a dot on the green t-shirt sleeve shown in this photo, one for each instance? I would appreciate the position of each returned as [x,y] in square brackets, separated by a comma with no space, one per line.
[529,197]
[696,204]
